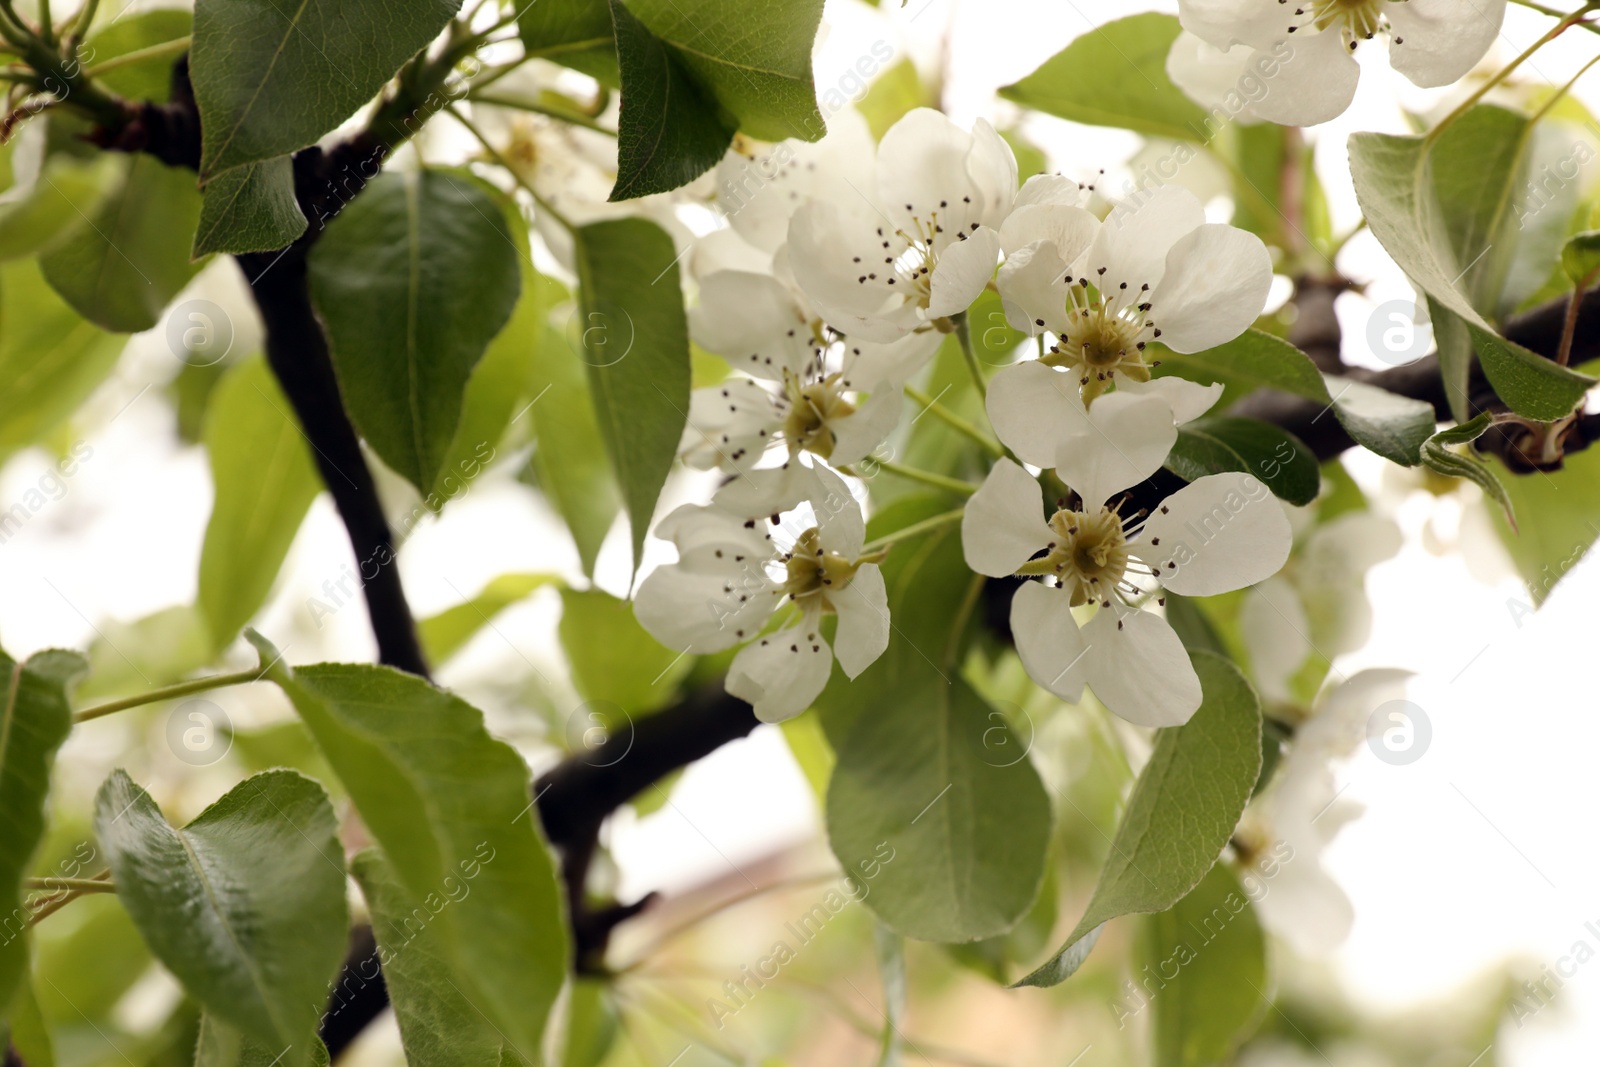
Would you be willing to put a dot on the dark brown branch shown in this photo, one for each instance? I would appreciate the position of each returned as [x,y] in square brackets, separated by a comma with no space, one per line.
[1538,330]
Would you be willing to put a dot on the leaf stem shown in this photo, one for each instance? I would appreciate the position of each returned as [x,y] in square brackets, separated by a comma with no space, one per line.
[964,335]
[1569,326]
[1483,90]
[916,529]
[1553,13]
[101,883]
[82,885]
[954,421]
[496,155]
[195,685]
[1555,98]
[914,474]
[532,107]
[166,48]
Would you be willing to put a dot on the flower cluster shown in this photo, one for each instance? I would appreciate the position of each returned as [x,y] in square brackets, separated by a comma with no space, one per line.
[841,273]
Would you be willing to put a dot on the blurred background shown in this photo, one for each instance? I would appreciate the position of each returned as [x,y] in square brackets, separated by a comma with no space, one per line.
[1471,870]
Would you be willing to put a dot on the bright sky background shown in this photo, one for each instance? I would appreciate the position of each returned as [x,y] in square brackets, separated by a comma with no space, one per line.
[1466,858]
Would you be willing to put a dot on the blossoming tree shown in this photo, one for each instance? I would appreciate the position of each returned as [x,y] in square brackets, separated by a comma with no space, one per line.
[1050,471]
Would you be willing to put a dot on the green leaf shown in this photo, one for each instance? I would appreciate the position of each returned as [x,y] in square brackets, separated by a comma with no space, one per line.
[497,394]
[221,1045]
[1208,956]
[250,209]
[1116,75]
[1183,810]
[893,93]
[42,215]
[30,1034]
[920,780]
[35,718]
[592,1024]
[245,905]
[613,659]
[265,482]
[271,77]
[444,634]
[763,77]
[438,1024]
[1277,457]
[670,130]
[50,358]
[134,31]
[569,461]
[1438,455]
[636,344]
[158,649]
[1563,505]
[574,33]
[1408,206]
[928,788]
[1580,258]
[891,953]
[1389,424]
[1253,360]
[444,800]
[413,280]
[121,269]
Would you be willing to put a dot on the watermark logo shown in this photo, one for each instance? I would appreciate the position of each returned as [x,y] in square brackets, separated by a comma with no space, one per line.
[199,732]
[199,332]
[1399,733]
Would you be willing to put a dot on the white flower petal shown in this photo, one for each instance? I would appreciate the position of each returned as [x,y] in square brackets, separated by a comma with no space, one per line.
[1033,289]
[1070,229]
[1127,439]
[760,494]
[840,525]
[1436,42]
[1133,243]
[1048,640]
[781,674]
[758,192]
[1139,669]
[1224,23]
[922,169]
[867,366]
[1216,534]
[1208,75]
[863,610]
[963,270]
[1314,85]
[1340,725]
[857,434]
[1188,400]
[834,253]
[1003,525]
[1050,189]
[729,425]
[701,613]
[1215,286]
[727,250]
[1274,628]
[992,166]
[1035,411]
[753,322]
[710,539]
[1306,907]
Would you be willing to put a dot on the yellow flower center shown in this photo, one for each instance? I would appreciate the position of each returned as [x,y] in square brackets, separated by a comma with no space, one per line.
[1101,341]
[1088,557]
[813,575]
[811,409]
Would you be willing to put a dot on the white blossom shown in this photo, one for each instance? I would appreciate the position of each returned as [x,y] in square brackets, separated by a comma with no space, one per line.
[1318,602]
[1153,270]
[1301,811]
[809,388]
[1219,533]
[1303,51]
[922,245]
[736,566]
